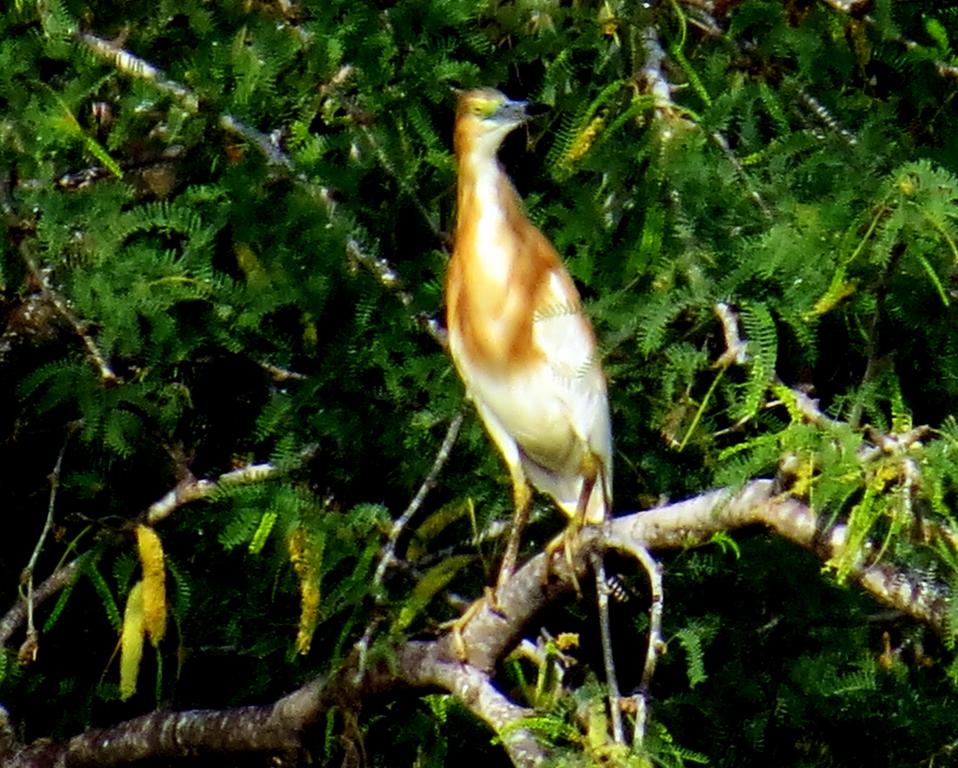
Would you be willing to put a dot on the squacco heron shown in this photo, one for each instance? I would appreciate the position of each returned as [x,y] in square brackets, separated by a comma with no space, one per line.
[518,336]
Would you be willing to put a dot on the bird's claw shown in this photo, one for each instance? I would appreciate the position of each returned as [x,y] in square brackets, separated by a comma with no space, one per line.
[567,541]
[457,627]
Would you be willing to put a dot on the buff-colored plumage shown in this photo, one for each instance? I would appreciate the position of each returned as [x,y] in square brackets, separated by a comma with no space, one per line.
[517,332]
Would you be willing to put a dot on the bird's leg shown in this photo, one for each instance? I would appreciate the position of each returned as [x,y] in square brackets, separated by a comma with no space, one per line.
[522,497]
[577,524]
[568,538]
[608,658]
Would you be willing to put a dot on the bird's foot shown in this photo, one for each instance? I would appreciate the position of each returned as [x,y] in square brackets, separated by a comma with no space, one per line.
[458,626]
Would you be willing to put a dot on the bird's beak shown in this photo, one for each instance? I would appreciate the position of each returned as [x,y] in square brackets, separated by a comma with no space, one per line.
[536,108]
[513,112]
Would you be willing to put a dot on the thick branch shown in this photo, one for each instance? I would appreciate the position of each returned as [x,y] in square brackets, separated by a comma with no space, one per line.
[165,735]
[684,524]
[694,521]
[281,728]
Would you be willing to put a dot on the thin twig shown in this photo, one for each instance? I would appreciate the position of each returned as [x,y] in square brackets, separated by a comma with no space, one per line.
[390,279]
[702,16]
[826,117]
[653,74]
[855,7]
[279,375]
[608,658]
[871,364]
[722,143]
[134,66]
[873,345]
[388,556]
[263,142]
[107,376]
[58,580]
[442,456]
[28,651]
[736,350]
[192,489]
[387,275]
[385,272]
[186,491]
[403,185]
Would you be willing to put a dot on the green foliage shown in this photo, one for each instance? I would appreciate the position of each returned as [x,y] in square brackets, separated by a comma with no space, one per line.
[186,286]
[110,607]
[691,638]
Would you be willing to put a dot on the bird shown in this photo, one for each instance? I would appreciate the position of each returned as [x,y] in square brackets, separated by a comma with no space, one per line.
[518,335]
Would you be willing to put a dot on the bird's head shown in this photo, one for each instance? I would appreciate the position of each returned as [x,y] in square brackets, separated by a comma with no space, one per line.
[483,118]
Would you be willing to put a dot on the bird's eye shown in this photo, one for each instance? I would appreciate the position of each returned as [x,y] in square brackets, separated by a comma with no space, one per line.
[485,108]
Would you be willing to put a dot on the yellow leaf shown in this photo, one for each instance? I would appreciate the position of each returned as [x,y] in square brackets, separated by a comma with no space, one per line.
[249,262]
[154,582]
[566,641]
[131,641]
[306,553]
[584,140]
[308,616]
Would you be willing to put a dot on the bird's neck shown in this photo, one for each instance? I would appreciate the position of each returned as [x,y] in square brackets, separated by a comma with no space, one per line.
[487,204]
[499,264]
[482,182]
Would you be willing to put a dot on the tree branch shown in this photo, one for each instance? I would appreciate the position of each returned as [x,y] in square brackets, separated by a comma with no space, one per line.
[188,490]
[192,489]
[96,357]
[856,8]
[490,633]
[30,647]
[694,521]
[17,615]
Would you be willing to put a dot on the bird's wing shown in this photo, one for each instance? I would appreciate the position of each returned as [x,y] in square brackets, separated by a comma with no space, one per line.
[564,336]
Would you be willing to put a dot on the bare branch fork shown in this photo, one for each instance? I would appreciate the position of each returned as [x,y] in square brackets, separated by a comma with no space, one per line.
[388,557]
[28,651]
